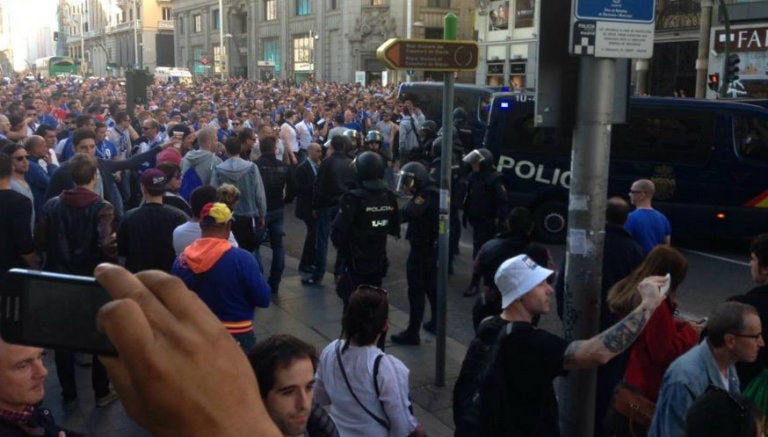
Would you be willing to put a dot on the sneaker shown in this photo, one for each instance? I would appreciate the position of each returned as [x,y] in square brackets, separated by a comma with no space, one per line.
[407,338]
[430,327]
[318,282]
[106,399]
[69,405]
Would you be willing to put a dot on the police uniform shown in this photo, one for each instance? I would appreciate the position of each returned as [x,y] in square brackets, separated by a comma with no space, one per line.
[485,206]
[366,217]
[422,213]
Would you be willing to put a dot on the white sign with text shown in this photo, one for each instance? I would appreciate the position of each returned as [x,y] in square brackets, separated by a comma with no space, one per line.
[623,40]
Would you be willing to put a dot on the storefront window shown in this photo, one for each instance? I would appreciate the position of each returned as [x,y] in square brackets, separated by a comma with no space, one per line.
[498,15]
[524,10]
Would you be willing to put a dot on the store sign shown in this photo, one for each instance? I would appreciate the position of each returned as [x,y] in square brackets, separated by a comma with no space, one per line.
[749,39]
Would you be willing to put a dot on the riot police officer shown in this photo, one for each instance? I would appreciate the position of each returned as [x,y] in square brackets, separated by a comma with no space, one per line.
[373,143]
[486,204]
[421,214]
[367,215]
[356,142]
[427,134]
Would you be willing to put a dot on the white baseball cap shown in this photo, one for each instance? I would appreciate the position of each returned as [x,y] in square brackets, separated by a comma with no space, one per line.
[517,276]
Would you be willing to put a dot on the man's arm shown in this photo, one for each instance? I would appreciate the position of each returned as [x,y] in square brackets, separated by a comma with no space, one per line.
[599,349]
[173,338]
[669,418]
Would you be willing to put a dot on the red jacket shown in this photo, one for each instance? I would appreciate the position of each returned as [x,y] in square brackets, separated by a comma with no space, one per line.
[663,340]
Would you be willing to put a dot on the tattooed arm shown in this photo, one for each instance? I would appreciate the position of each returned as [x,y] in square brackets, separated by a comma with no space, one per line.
[599,349]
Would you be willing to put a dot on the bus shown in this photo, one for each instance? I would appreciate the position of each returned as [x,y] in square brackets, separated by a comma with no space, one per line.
[428,96]
[708,160]
[53,66]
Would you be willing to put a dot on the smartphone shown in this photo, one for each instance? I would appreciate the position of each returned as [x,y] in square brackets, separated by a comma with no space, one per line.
[53,310]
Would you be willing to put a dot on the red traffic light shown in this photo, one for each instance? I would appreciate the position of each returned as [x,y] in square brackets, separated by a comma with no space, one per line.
[714,81]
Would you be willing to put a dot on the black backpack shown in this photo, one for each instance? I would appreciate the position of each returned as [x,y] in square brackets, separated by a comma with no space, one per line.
[478,370]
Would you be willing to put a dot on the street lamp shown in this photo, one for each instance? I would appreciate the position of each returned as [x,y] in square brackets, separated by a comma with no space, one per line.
[136,64]
[226,67]
[313,38]
[221,38]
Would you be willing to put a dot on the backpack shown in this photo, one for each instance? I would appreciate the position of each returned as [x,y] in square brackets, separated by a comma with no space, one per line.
[189,181]
[478,371]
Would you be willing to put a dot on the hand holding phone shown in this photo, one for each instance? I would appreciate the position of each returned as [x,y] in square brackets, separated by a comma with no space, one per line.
[168,337]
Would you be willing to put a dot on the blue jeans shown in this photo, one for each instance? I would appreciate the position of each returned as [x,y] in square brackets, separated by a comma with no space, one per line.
[274,226]
[325,218]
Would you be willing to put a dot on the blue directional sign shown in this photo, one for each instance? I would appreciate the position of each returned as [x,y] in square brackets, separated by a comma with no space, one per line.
[635,11]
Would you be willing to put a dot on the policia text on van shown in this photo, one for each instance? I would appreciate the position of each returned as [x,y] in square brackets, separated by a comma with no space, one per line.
[708,159]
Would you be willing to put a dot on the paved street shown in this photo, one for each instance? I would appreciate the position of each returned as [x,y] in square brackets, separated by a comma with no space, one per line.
[314,314]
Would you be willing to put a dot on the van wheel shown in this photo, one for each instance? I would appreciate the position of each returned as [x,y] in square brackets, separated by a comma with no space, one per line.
[551,222]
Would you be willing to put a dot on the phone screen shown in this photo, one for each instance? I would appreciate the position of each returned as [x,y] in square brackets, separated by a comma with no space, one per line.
[53,311]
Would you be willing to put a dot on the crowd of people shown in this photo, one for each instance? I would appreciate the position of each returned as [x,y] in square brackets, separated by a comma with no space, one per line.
[186,190]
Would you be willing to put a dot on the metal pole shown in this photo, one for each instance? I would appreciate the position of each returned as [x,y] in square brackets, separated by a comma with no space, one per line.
[408,28]
[586,223]
[136,65]
[221,38]
[702,60]
[726,50]
[450,26]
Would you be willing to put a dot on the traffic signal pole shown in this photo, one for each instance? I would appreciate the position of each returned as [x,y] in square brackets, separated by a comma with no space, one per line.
[586,234]
[726,51]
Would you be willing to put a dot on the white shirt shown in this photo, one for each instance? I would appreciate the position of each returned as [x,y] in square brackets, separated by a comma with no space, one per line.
[291,131]
[351,420]
[186,234]
[306,134]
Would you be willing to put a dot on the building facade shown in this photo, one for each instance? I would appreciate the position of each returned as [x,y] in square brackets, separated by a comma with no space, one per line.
[109,37]
[328,40]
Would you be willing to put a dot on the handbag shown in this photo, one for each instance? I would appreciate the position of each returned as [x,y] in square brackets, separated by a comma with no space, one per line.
[631,404]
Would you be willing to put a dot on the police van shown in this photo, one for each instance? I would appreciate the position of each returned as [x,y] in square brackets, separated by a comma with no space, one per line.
[708,160]
[174,75]
[428,96]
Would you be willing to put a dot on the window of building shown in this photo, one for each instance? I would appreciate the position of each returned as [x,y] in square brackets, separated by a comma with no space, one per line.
[524,10]
[270,10]
[439,3]
[333,5]
[303,7]
[197,20]
[215,19]
[167,14]
[377,2]
[243,19]
[302,50]
[271,52]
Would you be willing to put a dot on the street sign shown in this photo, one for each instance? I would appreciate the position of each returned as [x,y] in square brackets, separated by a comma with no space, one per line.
[613,28]
[636,11]
[429,54]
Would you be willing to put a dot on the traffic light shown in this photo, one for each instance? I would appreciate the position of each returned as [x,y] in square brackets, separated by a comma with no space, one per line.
[714,81]
[732,67]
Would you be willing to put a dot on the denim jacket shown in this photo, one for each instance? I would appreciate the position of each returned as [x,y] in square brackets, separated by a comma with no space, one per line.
[686,379]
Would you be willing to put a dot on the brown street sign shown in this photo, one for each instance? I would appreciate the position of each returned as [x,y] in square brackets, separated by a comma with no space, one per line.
[429,54]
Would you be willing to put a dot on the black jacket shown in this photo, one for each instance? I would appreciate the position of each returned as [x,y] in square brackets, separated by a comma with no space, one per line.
[304,189]
[276,176]
[334,177]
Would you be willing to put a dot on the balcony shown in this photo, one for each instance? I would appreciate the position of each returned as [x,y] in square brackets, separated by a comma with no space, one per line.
[678,15]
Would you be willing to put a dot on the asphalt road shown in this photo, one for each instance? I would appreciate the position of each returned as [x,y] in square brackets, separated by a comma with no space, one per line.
[716,271]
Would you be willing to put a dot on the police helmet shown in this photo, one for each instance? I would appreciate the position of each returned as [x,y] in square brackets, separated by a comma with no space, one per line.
[459,114]
[413,175]
[429,128]
[342,143]
[481,156]
[369,170]
[373,136]
[354,136]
